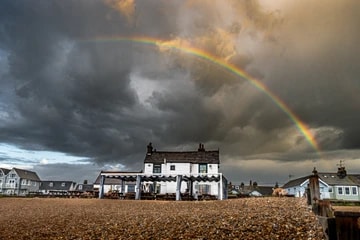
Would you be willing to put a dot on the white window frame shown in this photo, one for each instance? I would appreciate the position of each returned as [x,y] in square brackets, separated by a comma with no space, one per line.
[352,190]
[347,192]
[203,168]
[157,168]
[338,190]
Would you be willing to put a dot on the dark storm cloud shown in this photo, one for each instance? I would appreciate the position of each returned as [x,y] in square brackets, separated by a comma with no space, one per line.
[61,90]
[318,69]
[70,172]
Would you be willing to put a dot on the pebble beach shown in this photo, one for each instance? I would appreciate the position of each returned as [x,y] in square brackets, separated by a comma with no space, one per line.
[247,218]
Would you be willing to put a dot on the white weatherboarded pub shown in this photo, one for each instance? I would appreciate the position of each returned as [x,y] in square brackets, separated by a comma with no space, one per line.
[182,173]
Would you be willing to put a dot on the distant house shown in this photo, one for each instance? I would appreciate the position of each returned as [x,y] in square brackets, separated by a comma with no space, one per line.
[252,190]
[339,185]
[84,187]
[297,187]
[18,181]
[115,184]
[56,187]
[265,191]
[3,173]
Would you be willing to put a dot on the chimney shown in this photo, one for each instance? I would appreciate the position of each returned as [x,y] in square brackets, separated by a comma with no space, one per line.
[201,147]
[149,149]
[341,170]
[315,172]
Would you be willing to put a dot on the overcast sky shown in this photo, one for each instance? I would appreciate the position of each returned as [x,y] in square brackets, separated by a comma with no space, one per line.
[73,103]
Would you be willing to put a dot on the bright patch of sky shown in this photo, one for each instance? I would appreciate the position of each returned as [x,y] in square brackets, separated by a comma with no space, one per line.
[273,5]
[12,156]
[144,88]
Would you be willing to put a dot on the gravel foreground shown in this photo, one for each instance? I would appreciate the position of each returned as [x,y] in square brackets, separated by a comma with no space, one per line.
[249,218]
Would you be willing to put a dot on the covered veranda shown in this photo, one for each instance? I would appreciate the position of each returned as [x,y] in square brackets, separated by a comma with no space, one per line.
[140,178]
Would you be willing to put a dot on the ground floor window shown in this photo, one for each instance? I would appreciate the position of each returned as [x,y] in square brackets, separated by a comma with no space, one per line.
[347,190]
[340,190]
[204,189]
[354,190]
[131,188]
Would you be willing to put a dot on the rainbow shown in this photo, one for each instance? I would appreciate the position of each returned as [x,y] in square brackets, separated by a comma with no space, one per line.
[301,126]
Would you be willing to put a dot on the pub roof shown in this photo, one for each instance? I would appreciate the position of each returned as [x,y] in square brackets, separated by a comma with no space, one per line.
[209,157]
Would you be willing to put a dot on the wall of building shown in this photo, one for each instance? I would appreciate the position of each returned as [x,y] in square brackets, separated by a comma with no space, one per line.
[108,188]
[27,186]
[180,168]
[299,191]
[2,184]
[345,193]
[184,169]
[211,169]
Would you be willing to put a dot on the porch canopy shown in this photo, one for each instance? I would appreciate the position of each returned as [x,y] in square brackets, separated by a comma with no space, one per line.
[139,178]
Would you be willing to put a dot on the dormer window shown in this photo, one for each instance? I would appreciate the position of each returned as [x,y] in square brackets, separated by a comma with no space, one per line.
[51,184]
[63,184]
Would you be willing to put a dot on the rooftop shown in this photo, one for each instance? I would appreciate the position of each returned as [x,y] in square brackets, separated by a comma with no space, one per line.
[199,156]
